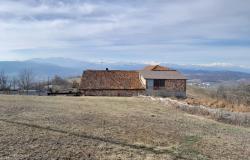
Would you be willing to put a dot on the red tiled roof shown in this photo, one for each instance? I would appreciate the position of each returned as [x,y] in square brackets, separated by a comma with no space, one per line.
[111,79]
[160,72]
[156,68]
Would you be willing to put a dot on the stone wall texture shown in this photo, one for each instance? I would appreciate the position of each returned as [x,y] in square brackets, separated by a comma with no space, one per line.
[123,93]
[173,88]
[175,85]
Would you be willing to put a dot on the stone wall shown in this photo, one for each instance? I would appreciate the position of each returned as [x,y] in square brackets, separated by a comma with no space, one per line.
[178,85]
[124,93]
[173,88]
[165,93]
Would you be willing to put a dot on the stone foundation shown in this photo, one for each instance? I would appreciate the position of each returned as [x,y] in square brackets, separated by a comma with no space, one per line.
[123,93]
[165,93]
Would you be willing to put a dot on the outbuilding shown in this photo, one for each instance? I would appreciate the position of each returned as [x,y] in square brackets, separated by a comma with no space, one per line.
[162,81]
[112,83]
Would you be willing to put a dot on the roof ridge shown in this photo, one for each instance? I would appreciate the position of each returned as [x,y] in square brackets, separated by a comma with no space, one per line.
[95,70]
[155,66]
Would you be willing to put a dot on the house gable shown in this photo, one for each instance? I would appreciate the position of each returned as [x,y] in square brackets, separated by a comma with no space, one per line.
[156,68]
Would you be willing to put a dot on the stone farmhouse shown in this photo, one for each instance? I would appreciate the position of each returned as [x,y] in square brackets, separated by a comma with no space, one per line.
[152,81]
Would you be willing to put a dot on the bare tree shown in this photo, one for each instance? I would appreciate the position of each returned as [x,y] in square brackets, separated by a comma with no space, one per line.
[75,84]
[57,80]
[3,80]
[14,83]
[26,78]
[39,86]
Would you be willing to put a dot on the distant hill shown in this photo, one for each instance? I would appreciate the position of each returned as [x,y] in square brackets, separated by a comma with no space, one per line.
[210,67]
[215,76]
[72,63]
[44,68]
[41,70]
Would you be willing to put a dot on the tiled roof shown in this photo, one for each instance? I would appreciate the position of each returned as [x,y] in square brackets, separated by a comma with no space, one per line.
[171,74]
[156,68]
[111,79]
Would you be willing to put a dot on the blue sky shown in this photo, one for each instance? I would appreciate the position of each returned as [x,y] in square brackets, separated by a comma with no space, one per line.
[172,31]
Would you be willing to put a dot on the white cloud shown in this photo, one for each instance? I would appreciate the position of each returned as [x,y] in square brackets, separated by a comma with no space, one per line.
[158,29]
[217,64]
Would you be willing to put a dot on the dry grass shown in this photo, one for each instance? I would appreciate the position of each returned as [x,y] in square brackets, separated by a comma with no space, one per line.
[208,97]
[112,128]
[213,103]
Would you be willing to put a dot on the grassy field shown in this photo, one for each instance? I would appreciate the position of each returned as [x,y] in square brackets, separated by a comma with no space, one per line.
[112,128]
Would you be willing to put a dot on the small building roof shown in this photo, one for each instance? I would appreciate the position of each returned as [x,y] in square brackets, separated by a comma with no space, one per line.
[171,74]
[156,68]
[111,79]
[160,72]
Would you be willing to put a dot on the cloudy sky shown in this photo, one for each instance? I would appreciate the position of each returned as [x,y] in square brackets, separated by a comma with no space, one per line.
[173,31]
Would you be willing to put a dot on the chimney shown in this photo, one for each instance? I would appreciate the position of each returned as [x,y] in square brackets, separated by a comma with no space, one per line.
[107,69]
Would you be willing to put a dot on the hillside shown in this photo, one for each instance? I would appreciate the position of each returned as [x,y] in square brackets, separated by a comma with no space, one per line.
[112,128]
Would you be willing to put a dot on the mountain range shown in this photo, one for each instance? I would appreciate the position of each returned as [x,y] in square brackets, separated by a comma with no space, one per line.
[65,67]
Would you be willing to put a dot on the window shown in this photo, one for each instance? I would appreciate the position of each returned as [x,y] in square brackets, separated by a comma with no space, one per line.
[159,83]
[150,84]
